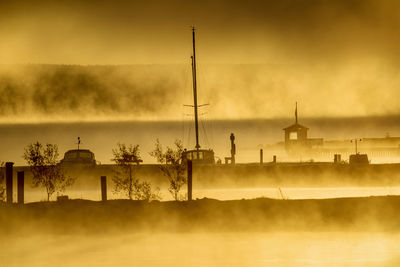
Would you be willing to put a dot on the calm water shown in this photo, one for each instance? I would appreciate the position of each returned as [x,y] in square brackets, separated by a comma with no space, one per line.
[251,135]
[198,249]
[205,249]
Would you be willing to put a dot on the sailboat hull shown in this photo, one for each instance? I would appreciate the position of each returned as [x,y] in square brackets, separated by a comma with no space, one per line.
[199,156]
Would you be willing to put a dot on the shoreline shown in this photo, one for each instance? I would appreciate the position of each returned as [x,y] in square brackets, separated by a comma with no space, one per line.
[253,215]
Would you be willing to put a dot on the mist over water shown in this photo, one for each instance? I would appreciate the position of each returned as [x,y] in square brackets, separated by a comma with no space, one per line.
[251,135]
[205,249]
[338,59]
[62,93]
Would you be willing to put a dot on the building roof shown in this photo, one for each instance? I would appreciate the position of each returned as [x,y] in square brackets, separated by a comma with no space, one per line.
[79,156]
[78,150]
[295,127]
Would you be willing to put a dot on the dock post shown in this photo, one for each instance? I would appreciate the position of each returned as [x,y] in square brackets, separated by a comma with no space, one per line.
[274,159]
[103,180]
[189,179]
[233,149]
[261,157]
[337,158]
[9,182]
[21,184]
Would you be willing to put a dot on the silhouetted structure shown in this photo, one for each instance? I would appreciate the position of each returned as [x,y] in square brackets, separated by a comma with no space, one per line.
[337,158]
[79,142]
[374,147]
[199,156]
[356,142]
[297,144]
[21,185]
[189,179]
[205,156]
[79,156]
[359,159]
[233,151]
[103,183]
[9,182]
[296,139]
[295,136]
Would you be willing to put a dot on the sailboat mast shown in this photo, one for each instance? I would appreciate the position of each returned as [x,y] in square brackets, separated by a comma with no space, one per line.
[196,120]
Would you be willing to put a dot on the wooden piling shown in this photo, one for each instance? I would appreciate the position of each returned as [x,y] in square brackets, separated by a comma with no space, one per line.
[337,158]
[261,157]
[21,185]
[9,182]
[103,181]
[189,179]
[233,149]
[274,159]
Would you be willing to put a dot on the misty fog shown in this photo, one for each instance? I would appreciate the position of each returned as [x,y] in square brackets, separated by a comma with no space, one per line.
[207,249]
[119,72]
[251,135]
[336,58]
[43,93]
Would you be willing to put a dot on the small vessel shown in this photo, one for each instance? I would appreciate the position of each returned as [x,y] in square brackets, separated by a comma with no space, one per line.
[78,156]
[197,155]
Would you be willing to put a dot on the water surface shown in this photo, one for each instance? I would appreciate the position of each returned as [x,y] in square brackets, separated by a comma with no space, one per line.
[205,249]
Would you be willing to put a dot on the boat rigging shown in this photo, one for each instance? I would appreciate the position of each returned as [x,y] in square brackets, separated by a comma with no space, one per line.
[205,156]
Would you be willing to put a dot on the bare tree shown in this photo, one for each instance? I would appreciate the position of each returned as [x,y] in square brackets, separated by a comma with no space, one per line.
[171,166]
[127,157]
[47,173]
[142,191]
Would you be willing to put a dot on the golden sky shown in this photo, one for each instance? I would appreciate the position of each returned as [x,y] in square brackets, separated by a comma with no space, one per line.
[336,57]
[255,31]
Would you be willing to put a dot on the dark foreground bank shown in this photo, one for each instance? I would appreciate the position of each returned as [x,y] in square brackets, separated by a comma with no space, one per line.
[83,216]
